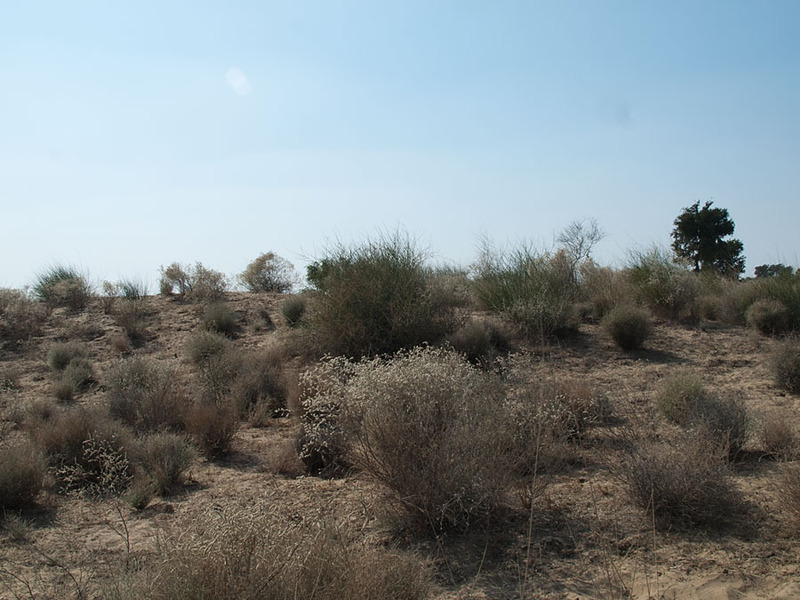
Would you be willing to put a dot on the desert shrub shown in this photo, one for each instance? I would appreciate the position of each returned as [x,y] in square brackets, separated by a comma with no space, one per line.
[87,452]
[603,288]
[424,423]
[789,491]
[260,553]
[78,374]
[221,318]
[293,309]
[260,384]
[686,482]
[480,340]
[144,395]
[786,365]
[63,391]
[534,291]
[212,427]
[269,273]
[163,459]
[62,285]
[131,316]
[667,288]
[22,470]
[205,345]
[61,353]
[778,438]
[769,317]
[218,364]
[376,298]
[21,318]
[684,400]
[628,326]
[193,283]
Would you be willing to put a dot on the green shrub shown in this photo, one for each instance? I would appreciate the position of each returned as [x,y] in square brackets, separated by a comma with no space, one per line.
[144,395]
[163,459]
[221,318]
[62,285]
[375,299]
[87,452]
[769,317]
[293,309]
[666,288]
[682,483]
[21,318]
[61,353]
[534,291]
[628,326]
[193,283]
[786,365]
[22,471]
[269,273]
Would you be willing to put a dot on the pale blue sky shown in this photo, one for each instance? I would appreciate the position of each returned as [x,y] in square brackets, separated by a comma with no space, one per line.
[140,133]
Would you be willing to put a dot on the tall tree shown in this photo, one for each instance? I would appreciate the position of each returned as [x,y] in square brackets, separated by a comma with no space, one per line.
[699,236]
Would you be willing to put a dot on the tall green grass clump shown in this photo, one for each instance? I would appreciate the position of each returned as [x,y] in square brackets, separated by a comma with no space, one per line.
[667,288]
[534,291]
[62,285]
[376,298]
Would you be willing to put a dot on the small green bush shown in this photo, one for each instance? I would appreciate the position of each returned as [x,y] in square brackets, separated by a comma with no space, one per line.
[163,459]
[786,365]
[269,273]
[769,317]
[293,309]
[628,326]
[144,395]
[61,353]
[193,283]
[62,285]
[22,471]
[376,298]
[221,318]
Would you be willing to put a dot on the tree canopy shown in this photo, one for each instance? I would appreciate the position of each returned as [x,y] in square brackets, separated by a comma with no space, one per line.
[699,236]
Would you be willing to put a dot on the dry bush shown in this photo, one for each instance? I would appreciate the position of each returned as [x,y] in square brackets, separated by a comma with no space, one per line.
[221,318]
[78,374]
[131,316]
[376,299]
[61,353]
[193,283]
[786,365]
[604,289]
[218,364]
[481,340]
[144,394]
[22,471]
[677,395]
[666,288]
[163,459]
[293,309]
[21,318]
[778,438]
[260,384]
[269,273]
[769,317]
[62,285]
[686,482]
[87,451]
[212,427]
[789,492]
[628,326]
[260,553]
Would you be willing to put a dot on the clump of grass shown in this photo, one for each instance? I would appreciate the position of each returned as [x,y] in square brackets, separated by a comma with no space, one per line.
[87,452]
[218,364]
[664,286]
[21,318]
[62,353]
[144,395]
[293,309]
[269,273]
[678,394]
[480,340]
[789,492]
[534,291]
[376,298]
[778,438]
[260,385]
[681,483]
[628,326]
[767,316]
[604,289]
[193,283]
[221,318]
[786,365]
[78,374]
[62,285]
[212,427]
[163,459]
[22,470]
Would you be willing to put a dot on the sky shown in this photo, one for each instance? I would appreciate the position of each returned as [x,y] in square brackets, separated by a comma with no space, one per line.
[137,134]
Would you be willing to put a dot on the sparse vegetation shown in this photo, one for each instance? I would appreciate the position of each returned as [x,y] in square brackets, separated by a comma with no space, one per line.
[628,326]
[62,353]
[786,365]
[212,426]
[163,459]
[221,318]
[293,309]
[21,318]
[769,317]
[269,273]
[22,471]
[62,285]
